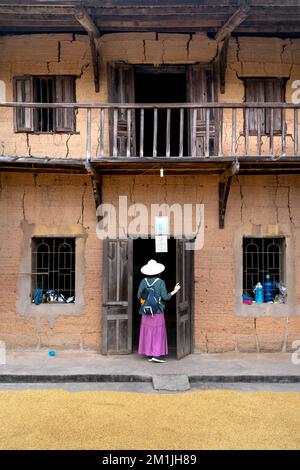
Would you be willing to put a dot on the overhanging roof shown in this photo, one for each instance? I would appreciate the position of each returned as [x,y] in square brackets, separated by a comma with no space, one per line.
[276,17]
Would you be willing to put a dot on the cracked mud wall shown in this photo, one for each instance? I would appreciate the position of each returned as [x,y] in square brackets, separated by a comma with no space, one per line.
[70,54]
[43,205]
[256,200]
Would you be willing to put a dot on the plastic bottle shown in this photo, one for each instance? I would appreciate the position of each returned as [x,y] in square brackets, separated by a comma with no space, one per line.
[258,291]
[268,289]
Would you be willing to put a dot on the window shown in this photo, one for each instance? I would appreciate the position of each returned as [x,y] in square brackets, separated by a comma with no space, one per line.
[53,268]
[262,257]
[44,89]
[265,90]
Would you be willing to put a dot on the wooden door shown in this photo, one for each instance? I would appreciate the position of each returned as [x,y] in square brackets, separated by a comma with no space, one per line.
[121,90]
[117,297]
[184,299]
[201,88]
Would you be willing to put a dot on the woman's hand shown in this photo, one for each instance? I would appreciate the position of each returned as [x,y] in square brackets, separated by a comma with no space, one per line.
[176,288]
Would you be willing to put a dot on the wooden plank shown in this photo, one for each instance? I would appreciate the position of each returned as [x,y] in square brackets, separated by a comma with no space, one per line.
[207,123]
[128,143]
[194,128]
[233,136]
[88,134]
[272,132]
[296,133]
[283,132]
[115,133]
[246,132]
[155,132]
[181,132]
[168,132]
[220,133]
[142,119]
[102,118]
[259,129]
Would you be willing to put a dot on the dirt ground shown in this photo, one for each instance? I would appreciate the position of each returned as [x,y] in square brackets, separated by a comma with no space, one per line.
[214,419]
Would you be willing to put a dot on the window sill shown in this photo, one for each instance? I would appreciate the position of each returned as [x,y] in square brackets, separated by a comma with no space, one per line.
[267,310]
[48,133]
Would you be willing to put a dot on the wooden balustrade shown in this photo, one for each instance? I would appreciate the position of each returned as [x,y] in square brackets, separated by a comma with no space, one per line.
[181,130]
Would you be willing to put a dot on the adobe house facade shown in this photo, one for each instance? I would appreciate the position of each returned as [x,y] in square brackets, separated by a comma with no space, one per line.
[56,164]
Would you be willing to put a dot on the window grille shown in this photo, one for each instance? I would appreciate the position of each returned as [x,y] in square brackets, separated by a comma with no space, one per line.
[53,265]
[262,256]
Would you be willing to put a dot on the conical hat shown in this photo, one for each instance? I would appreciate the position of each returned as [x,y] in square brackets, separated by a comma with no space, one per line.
[152,268]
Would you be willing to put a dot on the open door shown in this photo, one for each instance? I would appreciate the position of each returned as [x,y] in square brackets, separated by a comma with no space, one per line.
[202,88]
[184,298]
[117,297]
[121,90]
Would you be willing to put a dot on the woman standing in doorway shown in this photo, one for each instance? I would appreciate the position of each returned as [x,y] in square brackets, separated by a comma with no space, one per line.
[153,334]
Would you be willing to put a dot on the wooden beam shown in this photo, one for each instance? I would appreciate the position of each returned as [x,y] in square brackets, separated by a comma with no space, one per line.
[224,188]
[95,60]
[223,64]
[86,21]
[234,21]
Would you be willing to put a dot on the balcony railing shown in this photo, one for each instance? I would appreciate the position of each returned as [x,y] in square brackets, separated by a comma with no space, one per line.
[184,130]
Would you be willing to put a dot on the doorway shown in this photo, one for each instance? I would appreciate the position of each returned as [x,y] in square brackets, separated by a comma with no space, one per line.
[161,85]
[122,260]
[143,251]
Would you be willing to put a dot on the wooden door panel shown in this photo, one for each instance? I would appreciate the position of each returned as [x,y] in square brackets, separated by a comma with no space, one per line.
[184,300]
[117,297]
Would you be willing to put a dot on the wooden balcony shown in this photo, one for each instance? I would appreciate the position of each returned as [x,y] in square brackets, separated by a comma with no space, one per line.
[183,137]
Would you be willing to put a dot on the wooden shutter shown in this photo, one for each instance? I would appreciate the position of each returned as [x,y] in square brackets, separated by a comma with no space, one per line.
[23,92]
[201,89]
[184,298]
[65,93]
[274,93]
[121,90]
[255,93]
[117,297]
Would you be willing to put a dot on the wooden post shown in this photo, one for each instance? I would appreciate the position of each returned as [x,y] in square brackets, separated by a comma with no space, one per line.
[142,115]
[283,132]
[272,132]
[194,135]
[128,133]
[88,134]
[155,132]
[246,132]
[115,133]
[296,136]
[181,131]
[168,132]
[220,133]
[207,123]
[233,137]
[102,132]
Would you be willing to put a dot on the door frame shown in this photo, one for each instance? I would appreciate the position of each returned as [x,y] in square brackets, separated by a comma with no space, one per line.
[107,304]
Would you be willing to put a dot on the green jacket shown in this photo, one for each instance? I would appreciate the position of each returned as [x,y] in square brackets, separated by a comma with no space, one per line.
[159,289]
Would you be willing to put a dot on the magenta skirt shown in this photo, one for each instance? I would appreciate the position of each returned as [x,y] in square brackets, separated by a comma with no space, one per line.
[153,335]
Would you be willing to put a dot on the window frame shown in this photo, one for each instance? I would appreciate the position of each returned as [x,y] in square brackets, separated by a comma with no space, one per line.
[34,264]
[281,262]
[33,127]
[263,125]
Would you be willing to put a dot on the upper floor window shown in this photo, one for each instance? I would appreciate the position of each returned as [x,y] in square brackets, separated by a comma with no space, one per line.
[265,90]
[44,89]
